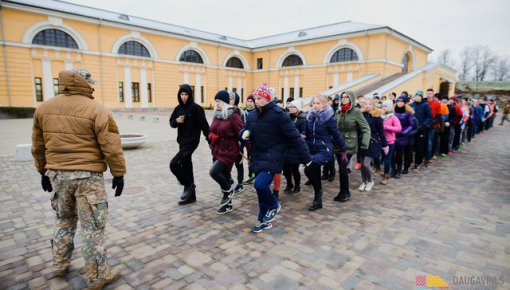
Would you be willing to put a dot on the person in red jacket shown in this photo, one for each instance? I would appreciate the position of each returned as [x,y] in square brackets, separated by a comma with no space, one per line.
[225,147]
[457,123]
[435,108]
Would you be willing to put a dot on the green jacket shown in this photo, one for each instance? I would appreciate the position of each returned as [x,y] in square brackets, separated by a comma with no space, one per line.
[351,122]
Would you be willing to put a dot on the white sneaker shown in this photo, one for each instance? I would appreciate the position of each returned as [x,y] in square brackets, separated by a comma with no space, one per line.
[362,186]
[369,186]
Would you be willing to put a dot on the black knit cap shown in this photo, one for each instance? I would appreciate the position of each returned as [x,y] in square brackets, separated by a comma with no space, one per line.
[223,96]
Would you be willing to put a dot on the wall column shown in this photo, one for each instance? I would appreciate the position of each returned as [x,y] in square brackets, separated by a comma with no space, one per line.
[47,80]
[128,97]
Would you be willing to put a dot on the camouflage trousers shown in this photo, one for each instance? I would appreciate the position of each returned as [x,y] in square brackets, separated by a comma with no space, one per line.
[80,195]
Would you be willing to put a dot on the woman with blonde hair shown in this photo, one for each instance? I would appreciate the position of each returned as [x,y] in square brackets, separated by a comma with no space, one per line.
[320,130]
[376,144]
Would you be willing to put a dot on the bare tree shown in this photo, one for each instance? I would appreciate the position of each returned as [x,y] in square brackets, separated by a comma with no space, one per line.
[501,68]
[466,63]
[483,58]
[445,58]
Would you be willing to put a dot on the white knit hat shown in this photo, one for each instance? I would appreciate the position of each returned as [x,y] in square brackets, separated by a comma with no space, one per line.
[296,103]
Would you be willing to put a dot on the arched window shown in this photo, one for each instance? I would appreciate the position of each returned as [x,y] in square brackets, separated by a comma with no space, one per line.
[54,37]
[292,60]
[235,62]
[133,48]
[191,56]
[406,62]
[344,54]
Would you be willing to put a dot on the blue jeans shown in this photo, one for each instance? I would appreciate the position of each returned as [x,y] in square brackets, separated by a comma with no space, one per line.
[267,200]
[430,144]
[388,159]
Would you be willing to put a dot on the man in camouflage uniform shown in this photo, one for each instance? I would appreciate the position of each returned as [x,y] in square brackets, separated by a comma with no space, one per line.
[74,138]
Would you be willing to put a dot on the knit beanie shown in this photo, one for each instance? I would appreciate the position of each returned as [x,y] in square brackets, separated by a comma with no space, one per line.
[251,97]
[296,103]
[265,92]
[223,96]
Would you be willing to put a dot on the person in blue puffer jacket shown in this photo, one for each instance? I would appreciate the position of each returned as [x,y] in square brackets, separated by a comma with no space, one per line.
[320,133]
[267,133]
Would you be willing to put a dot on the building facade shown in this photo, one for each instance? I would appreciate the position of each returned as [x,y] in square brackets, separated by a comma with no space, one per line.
[140,63]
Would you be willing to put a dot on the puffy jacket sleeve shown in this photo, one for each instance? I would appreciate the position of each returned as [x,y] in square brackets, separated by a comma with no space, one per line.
[410,124]
[364,128]
[38,147]
[337,137]
[108,137]
[427,115]
[293,137]
[379,127]
[394,125]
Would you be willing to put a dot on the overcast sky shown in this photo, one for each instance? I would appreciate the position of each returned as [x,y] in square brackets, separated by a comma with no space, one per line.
[439,24]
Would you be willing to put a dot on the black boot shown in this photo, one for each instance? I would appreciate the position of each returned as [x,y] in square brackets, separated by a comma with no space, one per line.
[289,187]
[405,171]
[397,174]
[324,176]
[331,177]
[189,195]
[317,201]
[342,197]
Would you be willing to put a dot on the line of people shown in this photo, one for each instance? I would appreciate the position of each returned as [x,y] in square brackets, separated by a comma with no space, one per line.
[401,133]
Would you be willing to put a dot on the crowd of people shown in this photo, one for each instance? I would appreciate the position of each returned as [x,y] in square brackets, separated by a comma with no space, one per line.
[75,139]
[377,135]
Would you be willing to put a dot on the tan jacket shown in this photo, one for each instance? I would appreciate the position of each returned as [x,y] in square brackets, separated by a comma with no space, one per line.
[73,132]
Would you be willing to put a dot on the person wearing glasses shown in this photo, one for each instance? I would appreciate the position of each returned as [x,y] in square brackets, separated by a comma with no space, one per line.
[349,121]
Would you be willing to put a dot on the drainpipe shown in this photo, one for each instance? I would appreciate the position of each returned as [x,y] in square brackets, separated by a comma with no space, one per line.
[100,58]
[5,57]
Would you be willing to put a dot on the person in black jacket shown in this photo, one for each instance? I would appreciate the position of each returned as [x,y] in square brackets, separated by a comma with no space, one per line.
[189,119]
[269,131]
[292,159]
[423,114]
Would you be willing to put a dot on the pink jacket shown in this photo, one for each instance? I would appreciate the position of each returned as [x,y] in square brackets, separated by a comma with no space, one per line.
[391,127]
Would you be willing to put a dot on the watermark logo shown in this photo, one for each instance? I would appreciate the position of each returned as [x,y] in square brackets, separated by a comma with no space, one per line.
[429,282]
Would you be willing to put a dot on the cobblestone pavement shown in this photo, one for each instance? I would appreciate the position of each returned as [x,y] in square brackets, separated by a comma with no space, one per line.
[451,220]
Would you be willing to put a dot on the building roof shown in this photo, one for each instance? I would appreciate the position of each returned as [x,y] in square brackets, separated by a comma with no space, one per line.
[330,30]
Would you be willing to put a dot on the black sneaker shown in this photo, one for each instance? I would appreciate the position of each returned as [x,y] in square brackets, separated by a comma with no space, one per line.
[405,171]
[324,176]
[308,182]
[227,197]
[260,227]
[239,188]
[288,189]
[224,209]
[297,190]
[331,178]
[342,197]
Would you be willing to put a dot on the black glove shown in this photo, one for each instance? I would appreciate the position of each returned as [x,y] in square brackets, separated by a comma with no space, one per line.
[118,185]
[46,184]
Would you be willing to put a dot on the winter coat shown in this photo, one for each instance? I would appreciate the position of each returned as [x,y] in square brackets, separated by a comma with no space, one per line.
[292,155]
[435,110]
[224,141]
[349,123]
[188,133]
[271,131]
[422,113]
[377,138]
[73,132]
[319,133]
[406,119]
[391,127]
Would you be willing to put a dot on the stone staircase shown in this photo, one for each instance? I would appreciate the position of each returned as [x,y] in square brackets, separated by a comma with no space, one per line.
[375,85]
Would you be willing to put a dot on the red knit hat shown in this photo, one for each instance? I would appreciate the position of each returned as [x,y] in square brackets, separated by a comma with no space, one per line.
[264,92]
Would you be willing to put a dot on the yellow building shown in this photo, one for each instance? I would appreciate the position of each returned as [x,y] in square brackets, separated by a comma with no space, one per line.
[139,63]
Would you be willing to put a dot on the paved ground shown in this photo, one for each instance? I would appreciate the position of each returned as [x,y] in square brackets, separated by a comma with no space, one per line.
[451,220]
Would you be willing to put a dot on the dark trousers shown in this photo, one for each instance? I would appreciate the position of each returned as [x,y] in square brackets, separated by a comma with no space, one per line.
[445,140]
[456,137]
[329,168]
[388,159]
[313,172]
[344,176]
[403,156]
[292,174]
[420,145]
[182,166]
[267,200]
[240,169]
[219,172]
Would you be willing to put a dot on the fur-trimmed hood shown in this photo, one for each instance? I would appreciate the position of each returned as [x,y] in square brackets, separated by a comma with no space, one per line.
[374,113]
[408,109]
[320,117]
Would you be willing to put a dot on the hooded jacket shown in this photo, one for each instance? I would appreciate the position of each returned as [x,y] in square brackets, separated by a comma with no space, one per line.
[73,132]
[377,137]
[422,113]
[188,133]
[292,155]
[349,123]
[405,116]
[320,131]
[223,136]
